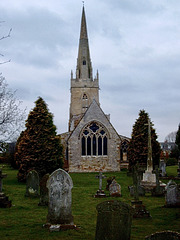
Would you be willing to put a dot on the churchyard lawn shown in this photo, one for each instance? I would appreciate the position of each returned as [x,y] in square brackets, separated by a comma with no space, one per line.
[25,219]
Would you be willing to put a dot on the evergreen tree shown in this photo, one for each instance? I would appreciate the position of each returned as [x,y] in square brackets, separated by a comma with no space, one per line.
[138,146]
[38,147]
[178,138]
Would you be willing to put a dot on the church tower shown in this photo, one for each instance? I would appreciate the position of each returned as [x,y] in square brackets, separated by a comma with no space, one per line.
[83,87]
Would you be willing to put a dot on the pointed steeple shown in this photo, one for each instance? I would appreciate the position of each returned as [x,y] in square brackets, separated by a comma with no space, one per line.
[83,33]
[84,68]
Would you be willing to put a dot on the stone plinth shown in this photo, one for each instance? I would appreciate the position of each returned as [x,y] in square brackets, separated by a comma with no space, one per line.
[139,209]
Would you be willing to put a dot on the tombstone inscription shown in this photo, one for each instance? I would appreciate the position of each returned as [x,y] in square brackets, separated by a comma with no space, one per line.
[59,185]
[113,221]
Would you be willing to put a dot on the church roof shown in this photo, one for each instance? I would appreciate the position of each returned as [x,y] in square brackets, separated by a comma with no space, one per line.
[94,113]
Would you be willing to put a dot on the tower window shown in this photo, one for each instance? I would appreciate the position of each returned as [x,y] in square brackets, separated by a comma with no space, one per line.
[84,103]
[94,140]
[84,62]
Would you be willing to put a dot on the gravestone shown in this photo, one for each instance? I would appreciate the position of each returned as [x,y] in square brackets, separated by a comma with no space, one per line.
[162,168]
[44,197]
[113,221]
[100,193]
[172,195]
[159,189]
[114,189]
[141,191]
[59,185]
[139,209]
[32,184]
[169,235]
[4,201]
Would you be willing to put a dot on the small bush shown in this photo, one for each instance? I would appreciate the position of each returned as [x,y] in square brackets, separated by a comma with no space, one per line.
[171,161]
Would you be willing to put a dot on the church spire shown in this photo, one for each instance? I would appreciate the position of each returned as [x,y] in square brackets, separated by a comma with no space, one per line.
[84,68]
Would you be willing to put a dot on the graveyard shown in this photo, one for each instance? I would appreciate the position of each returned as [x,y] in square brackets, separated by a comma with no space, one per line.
[26,220]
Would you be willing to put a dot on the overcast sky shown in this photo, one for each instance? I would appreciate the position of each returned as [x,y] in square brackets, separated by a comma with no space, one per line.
[134,44]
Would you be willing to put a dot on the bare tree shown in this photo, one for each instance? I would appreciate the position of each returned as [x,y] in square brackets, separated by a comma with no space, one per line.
[11,116]
[171,137]
[2,38]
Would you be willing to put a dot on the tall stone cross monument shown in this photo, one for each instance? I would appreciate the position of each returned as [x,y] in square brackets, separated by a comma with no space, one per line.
[148,176]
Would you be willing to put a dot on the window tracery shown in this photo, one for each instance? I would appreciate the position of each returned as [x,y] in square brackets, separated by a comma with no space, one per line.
[94,140]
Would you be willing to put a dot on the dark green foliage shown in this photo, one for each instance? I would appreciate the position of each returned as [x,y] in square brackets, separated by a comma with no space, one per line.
[38,147]
[175,153]
[171,162]
[178,138]
[138,146]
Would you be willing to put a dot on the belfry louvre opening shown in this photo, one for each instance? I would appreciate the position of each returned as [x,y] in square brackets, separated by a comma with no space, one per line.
[94,140]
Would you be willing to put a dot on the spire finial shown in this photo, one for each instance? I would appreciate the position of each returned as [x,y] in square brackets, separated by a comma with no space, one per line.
[83,3]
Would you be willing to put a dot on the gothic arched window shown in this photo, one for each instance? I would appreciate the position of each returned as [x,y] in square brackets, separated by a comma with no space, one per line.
[94,140]
[124,150]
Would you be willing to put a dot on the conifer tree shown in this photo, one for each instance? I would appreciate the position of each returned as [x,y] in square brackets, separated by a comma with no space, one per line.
[178,138]
[38,147]
[138,146]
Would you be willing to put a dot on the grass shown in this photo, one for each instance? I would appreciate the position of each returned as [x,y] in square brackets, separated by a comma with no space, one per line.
[25,219]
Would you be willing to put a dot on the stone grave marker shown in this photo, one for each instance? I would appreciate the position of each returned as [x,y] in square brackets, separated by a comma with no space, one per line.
[172,195]
[100,193]
[59,215]
[114,189]
[169,235]
[32,184]
[158,190]
[162,168]
[44,197]
[4,201]
[139,209]
[114,221]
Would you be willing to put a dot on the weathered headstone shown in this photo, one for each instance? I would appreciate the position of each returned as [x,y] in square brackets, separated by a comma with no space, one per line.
[4,201]
[100,193]
[141,191]
[162,168]
[114,189]
[44,197]
[32,184]
[158,190]
[169,235]
[113,221]
[172,195]
[60,199]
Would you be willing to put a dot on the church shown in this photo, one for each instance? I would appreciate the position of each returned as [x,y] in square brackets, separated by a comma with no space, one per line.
[92,143]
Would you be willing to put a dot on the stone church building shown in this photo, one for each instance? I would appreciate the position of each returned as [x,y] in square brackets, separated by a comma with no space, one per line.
[92,143]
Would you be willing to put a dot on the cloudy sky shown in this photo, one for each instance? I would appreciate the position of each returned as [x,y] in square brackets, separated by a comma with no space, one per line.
[134,44]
